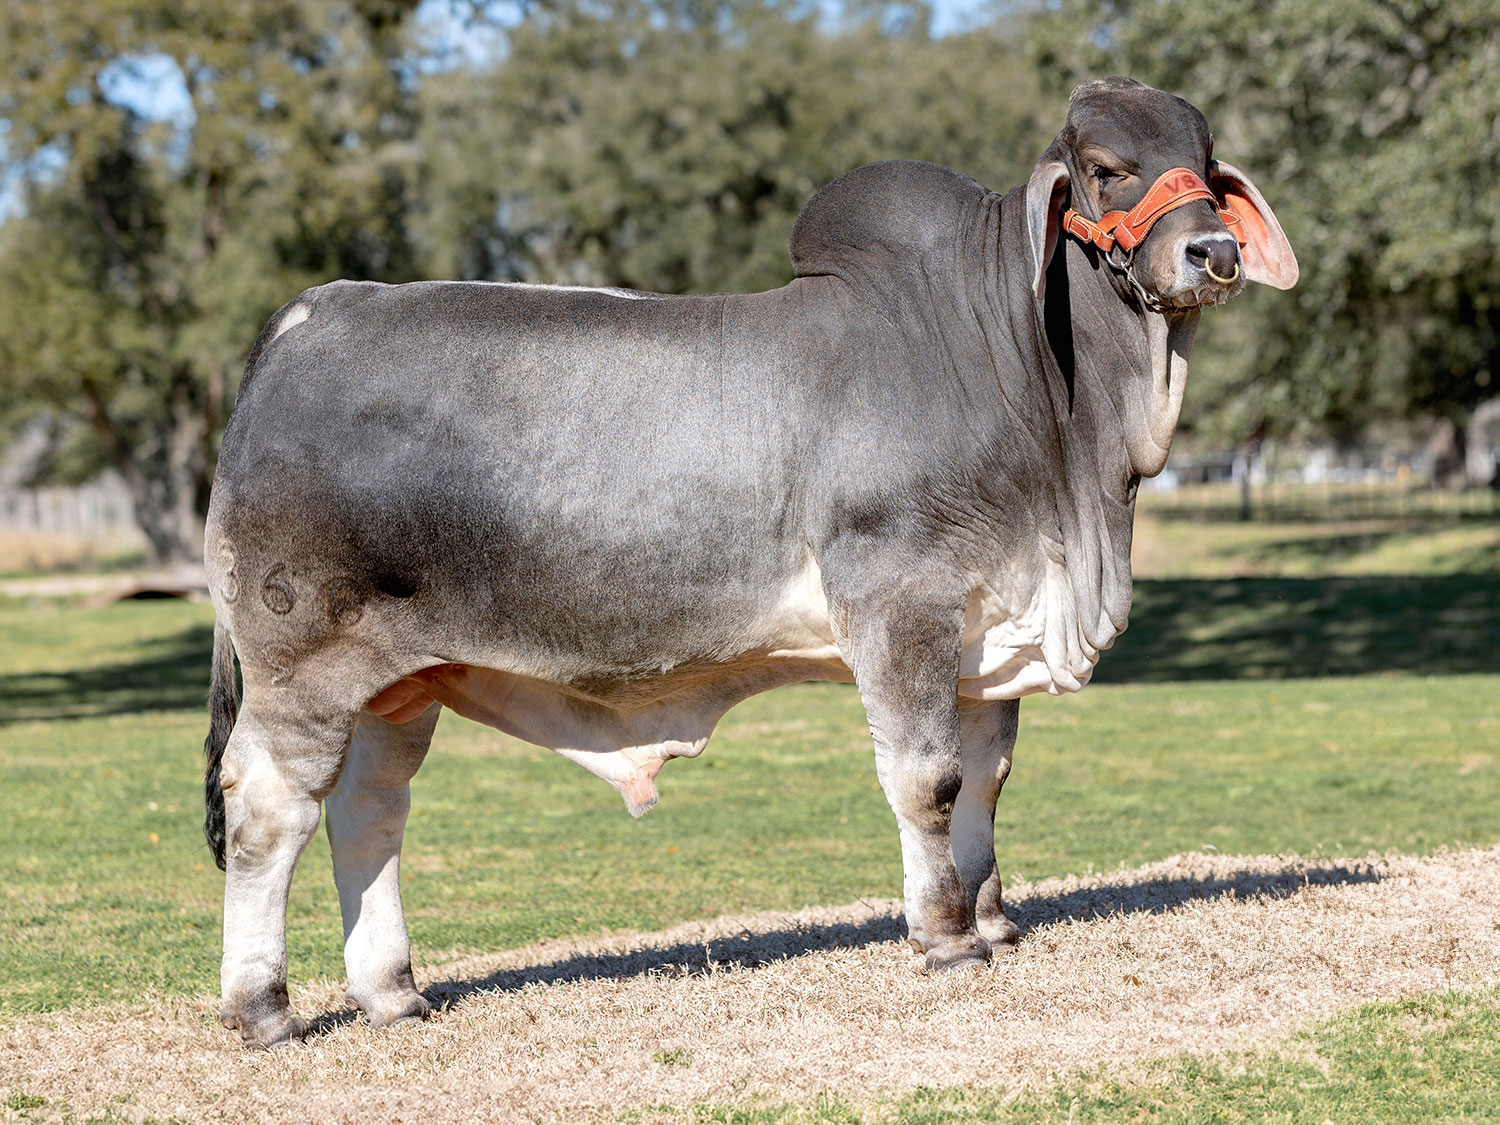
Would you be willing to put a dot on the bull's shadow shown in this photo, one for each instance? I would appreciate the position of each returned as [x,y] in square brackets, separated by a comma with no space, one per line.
[752,950]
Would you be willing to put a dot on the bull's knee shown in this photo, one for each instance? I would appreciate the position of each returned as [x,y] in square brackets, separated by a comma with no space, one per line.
[923,793]
[262,826]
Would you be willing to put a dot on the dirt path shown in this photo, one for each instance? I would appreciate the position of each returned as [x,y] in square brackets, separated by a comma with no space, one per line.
[1196,953]
[102,589]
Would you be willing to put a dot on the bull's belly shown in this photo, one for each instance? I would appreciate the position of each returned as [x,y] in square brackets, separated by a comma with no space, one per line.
[623,727]
[670,716]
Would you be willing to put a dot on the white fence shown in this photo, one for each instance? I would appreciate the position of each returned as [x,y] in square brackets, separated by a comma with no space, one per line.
[101,507]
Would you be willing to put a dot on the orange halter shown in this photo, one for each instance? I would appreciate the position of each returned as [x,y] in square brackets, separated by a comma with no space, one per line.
[1173,188]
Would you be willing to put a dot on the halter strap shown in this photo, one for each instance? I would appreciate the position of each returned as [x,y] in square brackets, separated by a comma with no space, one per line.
[1173,188]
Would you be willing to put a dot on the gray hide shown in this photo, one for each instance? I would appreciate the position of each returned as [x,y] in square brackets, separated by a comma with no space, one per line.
[597,519]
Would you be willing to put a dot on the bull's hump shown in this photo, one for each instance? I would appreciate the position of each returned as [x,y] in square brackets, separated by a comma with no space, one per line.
[901,209]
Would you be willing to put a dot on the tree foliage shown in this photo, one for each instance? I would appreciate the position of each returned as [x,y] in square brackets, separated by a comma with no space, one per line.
[671,145]
[664,144]
[150,251]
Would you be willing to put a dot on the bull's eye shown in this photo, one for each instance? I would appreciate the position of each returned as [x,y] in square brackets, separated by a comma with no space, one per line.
[1103,176]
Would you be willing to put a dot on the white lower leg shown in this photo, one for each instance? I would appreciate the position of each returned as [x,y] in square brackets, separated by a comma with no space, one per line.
[939,913]
[989,735]
[364,832]
[268,823]
[367,813]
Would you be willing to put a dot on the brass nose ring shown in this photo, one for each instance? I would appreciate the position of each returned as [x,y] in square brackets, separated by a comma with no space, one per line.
[1208,268]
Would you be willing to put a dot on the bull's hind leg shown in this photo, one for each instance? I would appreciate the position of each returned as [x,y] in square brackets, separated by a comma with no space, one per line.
[366,818]
[274,772]
[989,735]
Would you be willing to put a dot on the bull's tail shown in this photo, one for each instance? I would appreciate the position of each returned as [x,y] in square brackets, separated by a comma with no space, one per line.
[223,708]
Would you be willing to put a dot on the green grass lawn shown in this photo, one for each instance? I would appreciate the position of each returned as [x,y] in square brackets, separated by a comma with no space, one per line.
[1178,536]
[108,890]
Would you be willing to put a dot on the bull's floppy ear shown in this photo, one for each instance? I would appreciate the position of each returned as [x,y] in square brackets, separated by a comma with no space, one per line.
[1266,253]
[1044,200]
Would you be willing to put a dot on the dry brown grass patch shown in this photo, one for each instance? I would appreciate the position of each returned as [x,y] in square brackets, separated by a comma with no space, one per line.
[1196,953]
[22,550]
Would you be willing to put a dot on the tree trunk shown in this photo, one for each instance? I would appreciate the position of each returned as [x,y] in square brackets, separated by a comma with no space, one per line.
[1241,473]
[185,465]
[1448,449]
[172,538]
[164,489]
[1480,461]
[1460,454]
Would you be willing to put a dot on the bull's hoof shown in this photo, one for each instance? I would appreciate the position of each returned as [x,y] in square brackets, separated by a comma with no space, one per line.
[392,1010]
[957,953]
[999,931]
[267,1031]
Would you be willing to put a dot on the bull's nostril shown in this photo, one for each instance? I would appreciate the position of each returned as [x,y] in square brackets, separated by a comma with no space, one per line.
[1218,257]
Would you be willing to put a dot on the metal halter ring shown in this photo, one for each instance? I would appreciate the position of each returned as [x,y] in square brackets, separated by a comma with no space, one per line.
[1230,280]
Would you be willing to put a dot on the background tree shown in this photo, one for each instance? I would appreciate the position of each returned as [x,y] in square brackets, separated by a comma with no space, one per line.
[1371,125]
[150,251]
[671,145]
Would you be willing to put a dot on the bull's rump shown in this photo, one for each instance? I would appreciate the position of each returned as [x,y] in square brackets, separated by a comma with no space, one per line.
[567,472]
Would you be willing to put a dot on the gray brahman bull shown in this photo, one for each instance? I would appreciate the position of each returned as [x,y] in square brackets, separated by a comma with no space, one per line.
[597,518]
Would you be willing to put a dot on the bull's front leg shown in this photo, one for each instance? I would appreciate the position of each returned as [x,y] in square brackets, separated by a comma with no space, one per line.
[989,735]
[905,659]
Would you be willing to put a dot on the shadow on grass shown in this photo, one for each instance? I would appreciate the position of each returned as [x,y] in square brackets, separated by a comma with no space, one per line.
[1158,896]
[747,950]
[1181,629]
[1414,512]
[1279,628]
[171,674]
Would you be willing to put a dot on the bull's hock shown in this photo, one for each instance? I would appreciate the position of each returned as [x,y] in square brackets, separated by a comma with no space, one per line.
[597,518]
